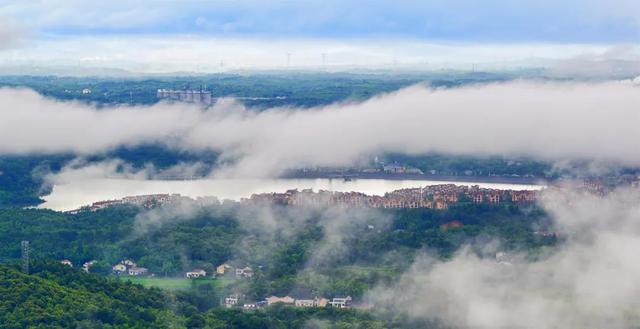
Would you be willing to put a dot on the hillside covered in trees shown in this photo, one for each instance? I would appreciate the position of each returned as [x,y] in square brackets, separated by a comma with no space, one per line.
[57,296]
[303,251]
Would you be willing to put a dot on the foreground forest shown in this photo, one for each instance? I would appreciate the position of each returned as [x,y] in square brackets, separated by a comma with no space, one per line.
[56,296]
[293,251]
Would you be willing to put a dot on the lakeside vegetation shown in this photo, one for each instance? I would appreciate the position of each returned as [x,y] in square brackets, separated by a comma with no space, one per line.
[22,178]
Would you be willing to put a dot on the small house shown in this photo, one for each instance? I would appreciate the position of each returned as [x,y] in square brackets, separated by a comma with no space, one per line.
[274,299]
[128,263]
[222,269]
[305,303]
[321,302]
[341,302]
[119,268]
[137,271]
[231,300]
[87,265]
[246,272]
[196,273]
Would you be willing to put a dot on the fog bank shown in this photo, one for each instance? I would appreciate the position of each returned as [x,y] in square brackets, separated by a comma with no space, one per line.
[589,282]
[549,120]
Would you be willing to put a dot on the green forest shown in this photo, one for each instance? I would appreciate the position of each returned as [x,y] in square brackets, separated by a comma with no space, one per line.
[169,243]
[257,90]
[57,296]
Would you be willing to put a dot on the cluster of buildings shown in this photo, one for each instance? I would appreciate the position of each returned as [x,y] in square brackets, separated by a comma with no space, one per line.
[338,302]
[191,96]
[221,270]
[238,272]
[378,170]
[85,267]
[129,267]
[398,169]
[435,196]
[147,201]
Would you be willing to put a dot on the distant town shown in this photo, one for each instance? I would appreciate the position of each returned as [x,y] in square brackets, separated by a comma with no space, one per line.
[434,197]
[439,196]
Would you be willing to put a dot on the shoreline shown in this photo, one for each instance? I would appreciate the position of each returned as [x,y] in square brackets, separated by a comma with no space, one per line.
[440,178]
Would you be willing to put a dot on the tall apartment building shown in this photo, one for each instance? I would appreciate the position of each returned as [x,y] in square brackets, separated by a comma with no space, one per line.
[190,96]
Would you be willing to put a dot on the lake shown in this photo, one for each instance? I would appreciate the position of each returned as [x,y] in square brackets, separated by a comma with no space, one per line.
[75,194]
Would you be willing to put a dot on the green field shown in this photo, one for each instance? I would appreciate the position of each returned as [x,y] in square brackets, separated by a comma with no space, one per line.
[171,283]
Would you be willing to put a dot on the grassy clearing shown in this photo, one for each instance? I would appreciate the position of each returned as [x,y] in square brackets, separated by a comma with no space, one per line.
[364,270]
[171,283]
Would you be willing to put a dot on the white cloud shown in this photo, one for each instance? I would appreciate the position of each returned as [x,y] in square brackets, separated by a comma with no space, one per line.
[80,169]
[589,282]
[10,34]
[620,61]
[543,119]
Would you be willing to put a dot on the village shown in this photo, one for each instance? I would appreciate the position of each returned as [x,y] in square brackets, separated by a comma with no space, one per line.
[336,302]
[129,268]
[146,201]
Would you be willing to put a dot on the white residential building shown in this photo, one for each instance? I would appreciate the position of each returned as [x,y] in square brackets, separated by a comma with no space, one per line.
[305,303]
[246,272]
[197,273]
[274,299]
[341,302]
[137,271]
[231,300]
[87,265]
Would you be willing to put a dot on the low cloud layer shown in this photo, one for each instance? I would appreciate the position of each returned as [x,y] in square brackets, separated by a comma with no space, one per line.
[589,282]
[616,62]
[542,119]
[79,169]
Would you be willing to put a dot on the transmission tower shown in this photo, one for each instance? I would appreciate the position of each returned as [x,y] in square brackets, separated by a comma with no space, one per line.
[25,256]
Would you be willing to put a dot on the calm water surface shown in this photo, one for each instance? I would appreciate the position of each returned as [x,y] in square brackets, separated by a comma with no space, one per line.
[75,194]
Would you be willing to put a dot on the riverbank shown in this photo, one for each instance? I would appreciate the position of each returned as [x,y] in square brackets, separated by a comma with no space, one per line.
[441,178]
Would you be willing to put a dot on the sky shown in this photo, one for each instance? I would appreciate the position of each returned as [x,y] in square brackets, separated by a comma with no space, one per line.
[581,21]
[213,35]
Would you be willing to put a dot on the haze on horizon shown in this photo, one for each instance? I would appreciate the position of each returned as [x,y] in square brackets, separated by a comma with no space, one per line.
[79,37]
